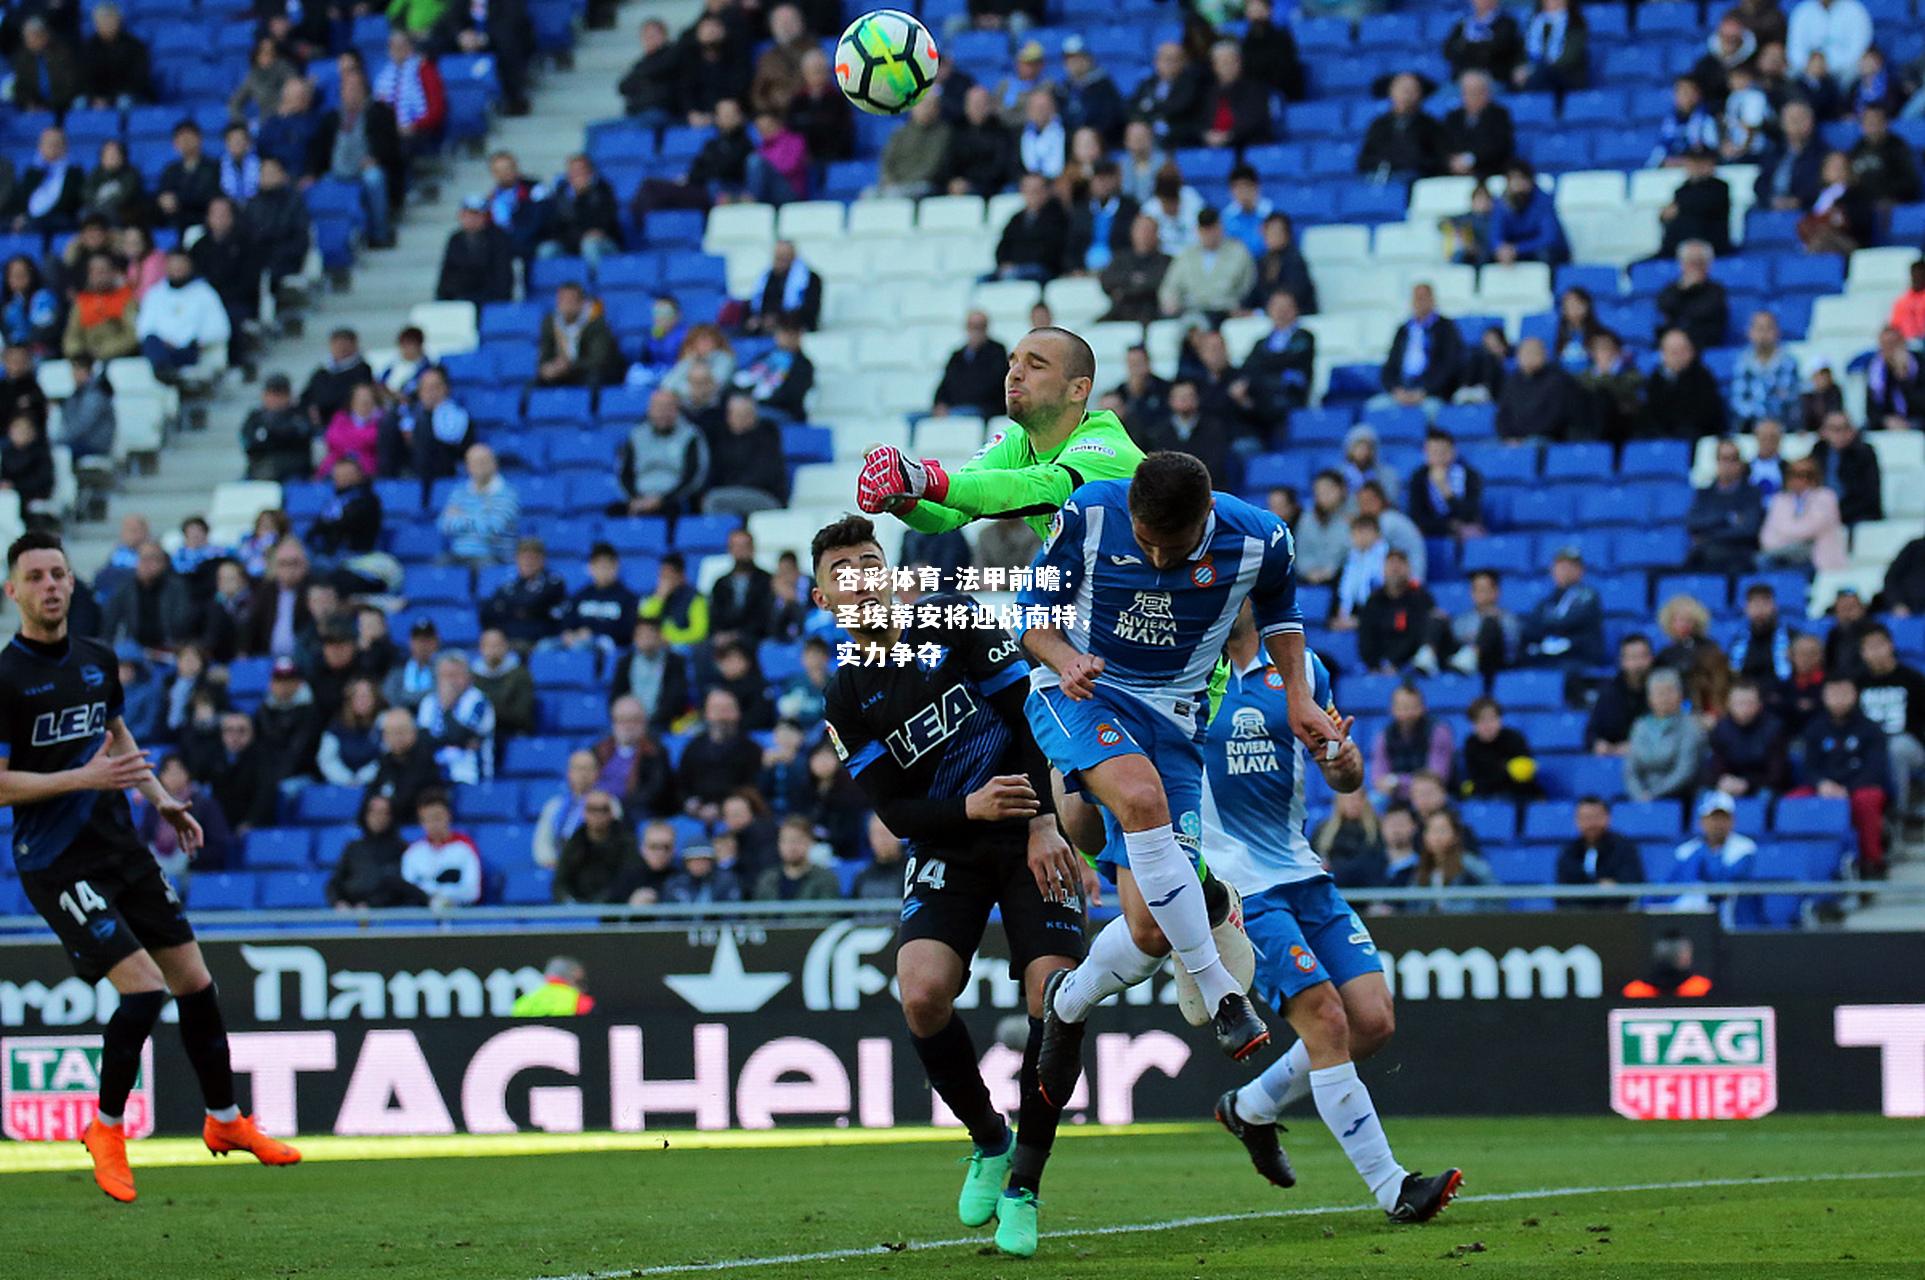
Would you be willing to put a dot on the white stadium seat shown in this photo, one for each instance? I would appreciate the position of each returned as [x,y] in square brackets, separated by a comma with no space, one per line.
[1654,188]
[240,501]
[1523,286]
[449,328]
[1899,452]
[1360,288]
[1337,335]
[882,217]
[886,349]
[1884,270]
[836,261]
[809,220]
[1852,319]
[1007,297]
[965,257]
[1400,243]
[950,214]
[1243,333]
[937,303]
[1876,542]
[1453,283]
[821,484]
[1826,586]
[1615,237]
[830,349]
[1444,197]
[855,436]
[1000,209]
[1590,189]
[735,225]
[56,378]
[1076,301]
[952,439]
[1337,244]
[1163,339]
[1904,497]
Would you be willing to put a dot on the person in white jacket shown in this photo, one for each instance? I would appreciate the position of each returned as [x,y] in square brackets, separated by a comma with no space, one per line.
[443,863]
[1839,29]
[180,318]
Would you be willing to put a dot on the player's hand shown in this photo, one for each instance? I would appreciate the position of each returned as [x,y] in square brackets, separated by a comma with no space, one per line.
[174,812]
[881,486]
[115,773]
[1051,860]
[1092,884]
[1314,727]
[1006,796]
[1078,676]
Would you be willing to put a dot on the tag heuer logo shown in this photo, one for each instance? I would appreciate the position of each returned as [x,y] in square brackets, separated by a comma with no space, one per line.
[50,1085]
[1694,1064]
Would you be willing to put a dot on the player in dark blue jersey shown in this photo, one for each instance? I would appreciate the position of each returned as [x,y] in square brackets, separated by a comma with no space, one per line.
[70,761]
[936,737]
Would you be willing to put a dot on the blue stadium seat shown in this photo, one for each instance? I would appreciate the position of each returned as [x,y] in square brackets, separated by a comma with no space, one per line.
[1649,820]
[637,535]
[1812,816]
[321,804]
[278,847]
[293,890]
[696,271]
[1493,822]
[1366,694]
[487,802]
[1452,694]
[1550,820]
[437,584]
[222,891]
[562,669]
[1650,549]
[1585,461]
[703,535]
[1541,508]
[330,841]
[1712,590]
[560,406]
[1327,425]
[1660,459]
[527,887]
[572,713]
[802,443]
[593,491]
[1501,553]
[1527,689]
[1398,424]
[1523,866]
[1502,463]
[247,677]
[1467,422]
[779,661]
[542,495]
[535,757]
[1598,776]
[511,321]
[550,273]
[1552,732]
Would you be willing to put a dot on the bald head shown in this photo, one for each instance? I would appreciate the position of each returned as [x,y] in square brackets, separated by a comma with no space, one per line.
[1073,355]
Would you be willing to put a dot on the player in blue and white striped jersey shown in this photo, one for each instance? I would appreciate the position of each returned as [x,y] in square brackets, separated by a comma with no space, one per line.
[1156,568]
[1316,963]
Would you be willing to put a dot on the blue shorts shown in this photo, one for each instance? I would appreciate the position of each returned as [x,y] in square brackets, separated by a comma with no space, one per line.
[1305,933]
[1081,735]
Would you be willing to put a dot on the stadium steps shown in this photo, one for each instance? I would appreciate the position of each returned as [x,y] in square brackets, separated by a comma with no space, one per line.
[387,283]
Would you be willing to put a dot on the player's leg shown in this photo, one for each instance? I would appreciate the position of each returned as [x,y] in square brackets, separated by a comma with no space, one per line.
[1117,960]
[143,994]
[1082,822]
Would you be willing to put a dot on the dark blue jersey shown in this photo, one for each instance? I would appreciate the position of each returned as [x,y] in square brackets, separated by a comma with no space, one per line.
[56,702]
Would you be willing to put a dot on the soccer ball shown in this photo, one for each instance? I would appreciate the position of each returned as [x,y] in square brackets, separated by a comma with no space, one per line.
[885,62]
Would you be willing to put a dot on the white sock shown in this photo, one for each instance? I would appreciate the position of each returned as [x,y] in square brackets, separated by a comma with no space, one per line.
[112,1122]
[1175,897]
[1283,1082]
[1114,965]
[1346,1108]
[226,1115]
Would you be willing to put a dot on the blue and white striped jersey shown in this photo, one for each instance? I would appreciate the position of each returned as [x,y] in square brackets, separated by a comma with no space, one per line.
[1254,770]
[1159,632]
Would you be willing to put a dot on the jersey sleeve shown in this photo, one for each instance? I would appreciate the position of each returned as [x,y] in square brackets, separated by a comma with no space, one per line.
[909,814]
[995,662]
[1273,597]
[1062,553]
[1002,479]
[115,694]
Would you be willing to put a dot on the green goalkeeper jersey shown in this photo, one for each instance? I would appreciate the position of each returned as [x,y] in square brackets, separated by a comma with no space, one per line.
[1007,478]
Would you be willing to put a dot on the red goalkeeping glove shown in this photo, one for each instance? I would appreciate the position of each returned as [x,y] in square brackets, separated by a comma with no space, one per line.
[891,482]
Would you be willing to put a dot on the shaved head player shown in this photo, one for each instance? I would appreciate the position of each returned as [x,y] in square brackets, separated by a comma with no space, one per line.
[69,762]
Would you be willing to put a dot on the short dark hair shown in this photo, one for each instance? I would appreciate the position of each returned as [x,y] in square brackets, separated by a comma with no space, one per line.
[411,333]
[1243,173]
[1371,486]
[1170,491]
[602,551]
[33,540]
[674,560]
[1208,217]
[433,796]
[1636,637]
[1078,360]
[1438,433]
[1331,473]
[1519,164]
[1875,629]
[850,531]
[1478,706]
[1486,573]
[1105,168]
[1748,682]
[1599,801]
[1757,589]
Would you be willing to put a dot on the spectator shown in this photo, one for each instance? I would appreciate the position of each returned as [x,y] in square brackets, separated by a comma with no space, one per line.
[1694,301]
[179,320]
[1175,206]
[1849,622]
[787,292]
[1798,698]
[647,880]
[706,347]
[1042,146]
[1486,40]
[1404,143]
[1399,532]
[1035,242]
[217,843]
[49,194]
[1848,466]
[288,130]
[46,76]
[1577,321]
[1244,216]
[503,679]
[459,721]
[1719,856]
[1883,166]
[1823,398]
[411,85]
[581,218]
[1842,218]
[1846,757]
[1411,741]
[1270,51]
[683,612]
[1730,46]
[1566,628]
[701,881]
[87,416]
[114,192]
[602,611]
[1089,98]
[1612,388]
[1766,468]
[1323,532]
[1141,395]
[1525,225]
[881,879]
[1350,841]
[1892,696]
[1134,278]
[101,322]
[1802,523]
[820,114]
[259,91]
[1725,517]
[1236,108]
[275,224]
[1478,135]
[349,751]
[328,387]
[1598,855]
[1908,311]
[982,150]
[1761,648]
[739,602]
[1484,639]
[1686,623]
[479,521]
[1281,266]
[1190,428]
[428,436]
[598,855]
[1497,762]
[1747,745]
[354,432]
[577,347]
[972,381]
[1446,495]
[1700,208]
[631,765]
[1210,276]
[1539,399]
[237,776]
[1841,30]
[1894,385]
[1280,369]
[1666,750]
[21,396]
[29,312]
[777,171]
[1394,626]
[478,264]
[349,525]
[1425,357]
[1789,171]
[115,67]
[288,725]
[406,768]
[1171,98]
[649,89]
[1689,128]
[916,156]
[719,759]
[1681,397]
[1765,381]
[360,142]
[748,473]
[368,874]
[653,674]
[1444,862]
[1904,591]
[400,379]
[780,379]
[796,879]
[1748,120]
[444,863]
[189,182]
[526,607]
[562,813]
[665,461]
[151,607]
[26,466]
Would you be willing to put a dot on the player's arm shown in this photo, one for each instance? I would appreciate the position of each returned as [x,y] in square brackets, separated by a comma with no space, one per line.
[107,771]
[904,809]
[996,660]
[1054,583]
[1273,604]
[121,746]
[996,482]
[1345,774]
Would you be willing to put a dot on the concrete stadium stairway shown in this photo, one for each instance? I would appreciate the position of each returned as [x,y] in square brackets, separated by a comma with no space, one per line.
[386,283]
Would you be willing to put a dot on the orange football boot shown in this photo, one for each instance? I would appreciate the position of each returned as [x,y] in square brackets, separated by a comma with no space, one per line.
[240,1134]
[107,1144]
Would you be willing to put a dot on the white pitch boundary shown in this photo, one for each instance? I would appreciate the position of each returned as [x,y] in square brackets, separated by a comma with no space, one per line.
[1208,1220]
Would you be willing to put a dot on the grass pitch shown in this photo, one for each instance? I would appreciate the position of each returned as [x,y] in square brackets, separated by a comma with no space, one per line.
[1787,1196]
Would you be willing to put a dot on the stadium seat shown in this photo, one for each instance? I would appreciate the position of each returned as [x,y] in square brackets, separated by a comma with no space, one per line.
[322,804]
[223,891]
[1812,816]
[562,669]
[278,847]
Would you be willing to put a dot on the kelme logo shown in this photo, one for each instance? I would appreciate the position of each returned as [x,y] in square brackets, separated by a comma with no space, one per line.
[1694,1064]
[50,1087]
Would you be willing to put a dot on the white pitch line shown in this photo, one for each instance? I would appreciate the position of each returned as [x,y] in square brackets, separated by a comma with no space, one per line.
[1208,1220]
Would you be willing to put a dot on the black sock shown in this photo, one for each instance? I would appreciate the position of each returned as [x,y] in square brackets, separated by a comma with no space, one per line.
[1035,1123]
[126,1032]
[949,1060]
[204,1035]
